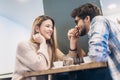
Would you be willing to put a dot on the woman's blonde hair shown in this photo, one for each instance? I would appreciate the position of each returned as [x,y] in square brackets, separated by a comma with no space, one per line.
[53,41]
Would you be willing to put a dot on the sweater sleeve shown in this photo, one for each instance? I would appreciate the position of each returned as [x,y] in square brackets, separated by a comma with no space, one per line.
[60,55]
[30,58]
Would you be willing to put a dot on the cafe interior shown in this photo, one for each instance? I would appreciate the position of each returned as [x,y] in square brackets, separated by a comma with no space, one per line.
[16,18]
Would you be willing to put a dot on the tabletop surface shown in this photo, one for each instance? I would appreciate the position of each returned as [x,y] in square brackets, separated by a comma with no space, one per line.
[81,66]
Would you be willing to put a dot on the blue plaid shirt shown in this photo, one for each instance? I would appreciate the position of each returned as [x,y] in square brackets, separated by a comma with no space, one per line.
[104,44]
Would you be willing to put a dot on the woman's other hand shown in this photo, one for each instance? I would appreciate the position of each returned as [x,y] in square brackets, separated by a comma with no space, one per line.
[38,38]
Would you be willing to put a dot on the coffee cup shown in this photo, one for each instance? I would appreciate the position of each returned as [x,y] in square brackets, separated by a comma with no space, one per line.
[58,64]
[87,59]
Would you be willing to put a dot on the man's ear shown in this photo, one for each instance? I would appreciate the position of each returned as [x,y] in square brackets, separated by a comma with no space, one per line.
[87,19]
[37,28]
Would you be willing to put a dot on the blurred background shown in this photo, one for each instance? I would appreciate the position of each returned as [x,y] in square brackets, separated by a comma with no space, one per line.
[16,18]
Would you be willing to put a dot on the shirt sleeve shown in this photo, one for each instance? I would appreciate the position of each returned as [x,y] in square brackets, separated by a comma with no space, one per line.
[30,58]
[98,40]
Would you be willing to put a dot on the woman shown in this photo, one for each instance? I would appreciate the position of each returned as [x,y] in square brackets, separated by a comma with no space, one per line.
[40,51]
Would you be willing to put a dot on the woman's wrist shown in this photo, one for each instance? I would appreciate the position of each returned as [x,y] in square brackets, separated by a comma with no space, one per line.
[75,49]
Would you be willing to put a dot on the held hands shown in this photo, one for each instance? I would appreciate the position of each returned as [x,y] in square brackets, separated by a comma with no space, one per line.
[73,35]
[38,38]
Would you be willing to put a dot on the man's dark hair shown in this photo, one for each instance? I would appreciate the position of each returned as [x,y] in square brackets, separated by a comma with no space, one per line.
[87,9]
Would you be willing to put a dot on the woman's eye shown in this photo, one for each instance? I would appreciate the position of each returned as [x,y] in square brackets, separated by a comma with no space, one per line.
[47,26]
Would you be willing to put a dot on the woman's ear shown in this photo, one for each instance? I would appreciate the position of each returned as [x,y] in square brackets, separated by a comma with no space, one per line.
[37,28]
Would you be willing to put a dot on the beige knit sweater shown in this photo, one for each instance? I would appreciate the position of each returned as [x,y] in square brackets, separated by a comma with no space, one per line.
[28,59]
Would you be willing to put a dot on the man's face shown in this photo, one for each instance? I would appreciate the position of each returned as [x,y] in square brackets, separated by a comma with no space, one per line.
[83,26]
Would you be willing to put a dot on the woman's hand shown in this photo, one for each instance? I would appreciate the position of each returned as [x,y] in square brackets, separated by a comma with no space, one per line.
[73,36]
[71,33]
[74,32]
[39,38]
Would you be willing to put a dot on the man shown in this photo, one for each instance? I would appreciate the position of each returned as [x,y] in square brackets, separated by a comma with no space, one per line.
[104,36]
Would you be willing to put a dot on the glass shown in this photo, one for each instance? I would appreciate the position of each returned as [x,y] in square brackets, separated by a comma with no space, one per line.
[77,60]
[76,21]
[67,61]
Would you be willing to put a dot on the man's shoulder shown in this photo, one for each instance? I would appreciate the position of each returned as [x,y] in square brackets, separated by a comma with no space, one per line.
[99,19]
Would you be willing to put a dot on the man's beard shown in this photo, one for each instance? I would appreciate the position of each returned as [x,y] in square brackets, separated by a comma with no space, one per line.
[83,32]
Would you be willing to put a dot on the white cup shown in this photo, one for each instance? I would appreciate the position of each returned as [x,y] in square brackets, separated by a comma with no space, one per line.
[58,64]
[87,59]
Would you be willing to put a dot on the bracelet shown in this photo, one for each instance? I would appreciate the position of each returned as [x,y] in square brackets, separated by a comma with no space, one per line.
[73,49]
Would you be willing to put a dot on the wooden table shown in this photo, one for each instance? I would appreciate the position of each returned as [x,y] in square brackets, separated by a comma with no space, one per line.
[82,66]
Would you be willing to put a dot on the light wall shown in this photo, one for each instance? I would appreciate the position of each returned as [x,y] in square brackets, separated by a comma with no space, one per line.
[16,20]
[111,9]
[10,34]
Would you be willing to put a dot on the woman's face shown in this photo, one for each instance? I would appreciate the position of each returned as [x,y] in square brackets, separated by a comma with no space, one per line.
[46,29]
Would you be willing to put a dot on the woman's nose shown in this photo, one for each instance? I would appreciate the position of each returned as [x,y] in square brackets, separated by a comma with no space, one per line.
[51,29]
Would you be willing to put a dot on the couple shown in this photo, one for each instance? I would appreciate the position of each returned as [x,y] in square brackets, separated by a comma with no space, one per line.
[41,50]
